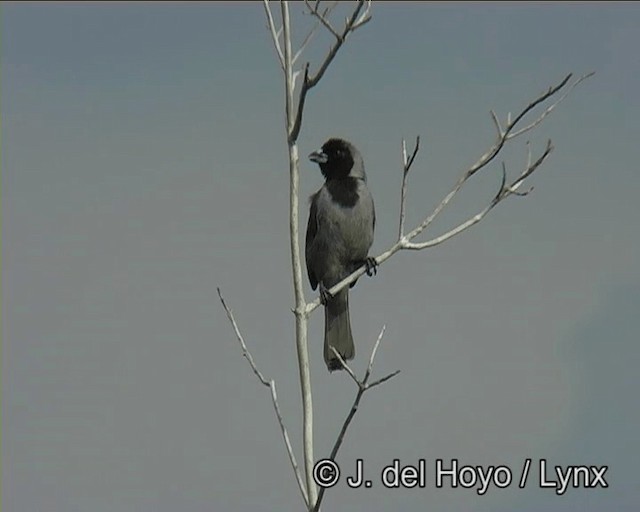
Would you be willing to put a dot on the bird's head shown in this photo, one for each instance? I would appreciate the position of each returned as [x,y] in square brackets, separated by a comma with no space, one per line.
[339,159]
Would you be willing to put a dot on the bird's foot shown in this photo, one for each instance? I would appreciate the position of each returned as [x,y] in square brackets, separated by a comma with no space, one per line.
[325,296]
[372,266]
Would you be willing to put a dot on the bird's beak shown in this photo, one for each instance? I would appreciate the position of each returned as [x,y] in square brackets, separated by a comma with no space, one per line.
[318,157]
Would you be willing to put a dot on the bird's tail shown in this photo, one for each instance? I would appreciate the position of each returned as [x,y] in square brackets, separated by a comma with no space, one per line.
[337,330]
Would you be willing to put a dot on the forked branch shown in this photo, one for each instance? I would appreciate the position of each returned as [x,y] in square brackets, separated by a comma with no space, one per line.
[275,33]
[503,135]
[274,397]
[357,19]
[363,385]
[407,162]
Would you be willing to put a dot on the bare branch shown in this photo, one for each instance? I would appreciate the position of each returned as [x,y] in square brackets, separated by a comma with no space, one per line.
[383,379]
[364,18]
[327,10]
[275,35]
[363,386]
[287,442]
[294,112]
[549,109]
[274,397]
[304,44]
[373,353]
[487,157]
[336,446]
[404,153]
[405,240]
[295,130]
[243,345]
[353,22]
[406,166]
[345,366]
[536,102]
[343,430]
[312,32]
[502,183]
[504,191]
[340,39]
[403,190]
[449,234]
[294,78]
[322,18]
[531,168]
[496,122]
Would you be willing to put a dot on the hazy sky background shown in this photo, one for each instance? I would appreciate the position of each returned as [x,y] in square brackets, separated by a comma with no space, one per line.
[144,164]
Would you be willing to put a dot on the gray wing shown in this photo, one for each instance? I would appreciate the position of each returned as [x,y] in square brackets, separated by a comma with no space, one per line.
[373,221]
[312,230]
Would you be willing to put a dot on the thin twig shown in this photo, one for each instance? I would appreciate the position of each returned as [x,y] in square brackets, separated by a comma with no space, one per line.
[312,32]
[503,192]
[403,190]
[304,44]
[363,385]
[274,397]
[449,234]
[245,351]
[339,42]
[373,353]
[531,168]
[486,158]
[549,109]
[344,365]
[275,35]
[496,122]
[364,18]
[322,18]
[382,380]
[416,148]
[405,241]
[336,447]
[309,81]
[407,162]
[287,442]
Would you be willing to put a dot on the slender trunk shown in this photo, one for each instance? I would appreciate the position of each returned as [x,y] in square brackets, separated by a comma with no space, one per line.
[300,310]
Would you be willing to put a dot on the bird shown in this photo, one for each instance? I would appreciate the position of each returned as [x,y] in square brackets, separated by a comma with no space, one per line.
[339,235]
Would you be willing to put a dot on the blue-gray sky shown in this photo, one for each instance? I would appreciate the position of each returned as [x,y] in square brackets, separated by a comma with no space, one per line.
[144,165]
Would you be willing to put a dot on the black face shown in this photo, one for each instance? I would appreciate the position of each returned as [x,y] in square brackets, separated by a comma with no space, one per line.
[335,159]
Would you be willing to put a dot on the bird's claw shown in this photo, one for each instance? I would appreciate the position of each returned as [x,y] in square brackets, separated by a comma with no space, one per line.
[372,266]
[325,296]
